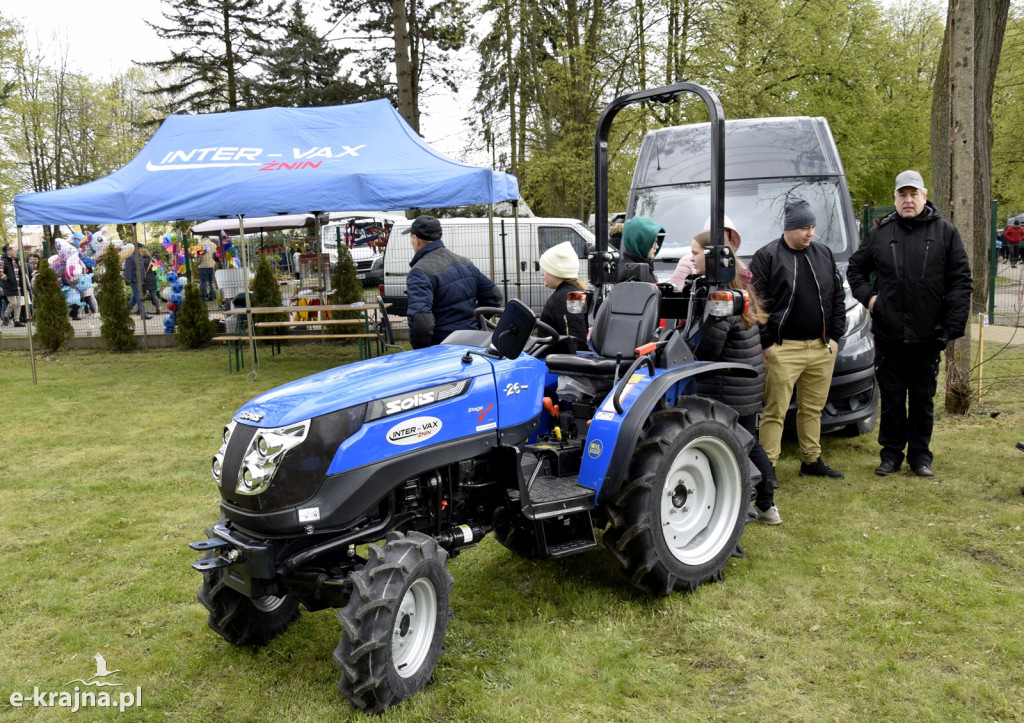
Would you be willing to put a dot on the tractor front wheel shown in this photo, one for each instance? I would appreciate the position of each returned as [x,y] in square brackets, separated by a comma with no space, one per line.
[679,517]
[394,623]
[239,619]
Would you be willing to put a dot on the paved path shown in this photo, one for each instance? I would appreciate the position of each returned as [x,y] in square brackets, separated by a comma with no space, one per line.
[1014,336]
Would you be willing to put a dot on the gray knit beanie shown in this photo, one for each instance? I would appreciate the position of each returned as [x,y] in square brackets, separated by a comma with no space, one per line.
[798,214]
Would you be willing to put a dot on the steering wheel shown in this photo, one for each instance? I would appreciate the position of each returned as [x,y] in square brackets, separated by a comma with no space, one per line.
[484,314]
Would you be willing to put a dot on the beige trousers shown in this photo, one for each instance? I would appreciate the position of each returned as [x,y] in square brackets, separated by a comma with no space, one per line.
[808,366]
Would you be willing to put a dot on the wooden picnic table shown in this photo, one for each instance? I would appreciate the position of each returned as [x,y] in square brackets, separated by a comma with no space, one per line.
[236,342]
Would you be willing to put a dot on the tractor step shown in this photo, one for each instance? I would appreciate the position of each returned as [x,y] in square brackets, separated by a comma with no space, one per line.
[553,496]
[566,535]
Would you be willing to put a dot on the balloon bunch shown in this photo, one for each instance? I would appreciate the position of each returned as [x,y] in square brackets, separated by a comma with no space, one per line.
[161,272]
[227,254]
[173,303]
[69,267]
[91,245]
[175,250]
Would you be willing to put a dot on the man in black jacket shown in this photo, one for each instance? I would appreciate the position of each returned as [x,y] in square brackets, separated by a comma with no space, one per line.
[919,301]
[802,292]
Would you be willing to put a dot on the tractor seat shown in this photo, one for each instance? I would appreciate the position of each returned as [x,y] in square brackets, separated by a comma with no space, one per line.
[627,319]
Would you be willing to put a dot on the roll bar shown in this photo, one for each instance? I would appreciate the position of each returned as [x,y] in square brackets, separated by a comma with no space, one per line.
[665,94]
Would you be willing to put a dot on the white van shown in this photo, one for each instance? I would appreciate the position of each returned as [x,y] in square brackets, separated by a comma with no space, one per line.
[515,268]
[366,234]
[767,161]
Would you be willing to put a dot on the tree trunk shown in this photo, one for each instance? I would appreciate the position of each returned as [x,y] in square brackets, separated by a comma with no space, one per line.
[961,136]
[513,88]
[403,69]
[229,65]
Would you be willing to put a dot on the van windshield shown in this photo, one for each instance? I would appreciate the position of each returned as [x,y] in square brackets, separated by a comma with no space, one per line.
[755,207]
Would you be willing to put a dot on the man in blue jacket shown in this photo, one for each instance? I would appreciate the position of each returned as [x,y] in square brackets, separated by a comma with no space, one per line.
[443,288]
[919,301]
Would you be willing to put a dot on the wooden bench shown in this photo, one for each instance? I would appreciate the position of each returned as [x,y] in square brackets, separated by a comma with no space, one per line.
[236,344]
[303,328]
[298,324]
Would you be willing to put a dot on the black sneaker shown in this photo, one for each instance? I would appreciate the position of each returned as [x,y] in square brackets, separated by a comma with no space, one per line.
[818,468]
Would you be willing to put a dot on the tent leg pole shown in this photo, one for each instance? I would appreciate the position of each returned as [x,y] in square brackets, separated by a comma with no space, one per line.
[29,310]
[248,300]
[140,234]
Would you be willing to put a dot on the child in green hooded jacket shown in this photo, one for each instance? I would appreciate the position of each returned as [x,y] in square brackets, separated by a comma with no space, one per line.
[641,239]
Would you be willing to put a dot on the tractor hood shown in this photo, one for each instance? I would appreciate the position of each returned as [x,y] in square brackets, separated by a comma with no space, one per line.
[361,382]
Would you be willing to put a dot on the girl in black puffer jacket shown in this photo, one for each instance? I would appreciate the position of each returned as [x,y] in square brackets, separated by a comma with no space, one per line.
[737,339]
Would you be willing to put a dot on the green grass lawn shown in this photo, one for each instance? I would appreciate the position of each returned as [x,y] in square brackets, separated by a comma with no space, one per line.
[878,599]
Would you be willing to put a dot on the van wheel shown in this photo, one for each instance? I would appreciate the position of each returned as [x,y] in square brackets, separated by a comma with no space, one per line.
[680,515]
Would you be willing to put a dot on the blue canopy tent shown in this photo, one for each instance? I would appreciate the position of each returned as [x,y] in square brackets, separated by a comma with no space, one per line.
[269,162]
[272,161]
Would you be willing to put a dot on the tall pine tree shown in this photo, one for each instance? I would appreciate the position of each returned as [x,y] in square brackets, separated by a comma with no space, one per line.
[426,37]
[303,69]
[213,41]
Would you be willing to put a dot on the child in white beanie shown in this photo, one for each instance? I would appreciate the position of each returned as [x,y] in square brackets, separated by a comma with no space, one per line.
[561,269]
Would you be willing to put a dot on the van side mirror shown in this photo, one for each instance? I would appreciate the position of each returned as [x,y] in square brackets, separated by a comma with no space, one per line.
[513,330]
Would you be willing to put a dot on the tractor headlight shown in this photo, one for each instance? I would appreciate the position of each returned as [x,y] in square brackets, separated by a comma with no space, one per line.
[264,455]
[218,459]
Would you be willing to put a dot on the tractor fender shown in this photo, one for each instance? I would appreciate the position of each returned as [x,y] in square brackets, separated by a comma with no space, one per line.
[612,436]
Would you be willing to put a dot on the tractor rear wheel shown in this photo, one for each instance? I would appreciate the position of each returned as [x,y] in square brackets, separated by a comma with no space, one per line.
[394,623]
[679,517]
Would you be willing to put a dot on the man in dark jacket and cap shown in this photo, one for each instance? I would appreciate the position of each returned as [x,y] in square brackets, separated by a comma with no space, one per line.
[919,301]
[802,292]
[443,288]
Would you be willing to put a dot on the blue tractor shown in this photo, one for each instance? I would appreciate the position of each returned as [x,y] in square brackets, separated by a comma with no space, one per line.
[350,489]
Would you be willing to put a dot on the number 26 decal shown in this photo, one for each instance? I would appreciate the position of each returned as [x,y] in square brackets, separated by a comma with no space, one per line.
[514,388]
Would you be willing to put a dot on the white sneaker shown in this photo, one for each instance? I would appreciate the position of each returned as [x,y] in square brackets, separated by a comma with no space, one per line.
[770,516]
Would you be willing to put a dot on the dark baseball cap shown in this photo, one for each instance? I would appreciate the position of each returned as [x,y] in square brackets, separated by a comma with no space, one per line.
[427,228]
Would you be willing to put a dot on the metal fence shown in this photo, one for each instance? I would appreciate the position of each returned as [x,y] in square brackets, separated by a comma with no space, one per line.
[305,279]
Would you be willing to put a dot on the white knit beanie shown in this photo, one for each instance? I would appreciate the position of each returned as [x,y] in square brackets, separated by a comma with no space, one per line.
[561,261]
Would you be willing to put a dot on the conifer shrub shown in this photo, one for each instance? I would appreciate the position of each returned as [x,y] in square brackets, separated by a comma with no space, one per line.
[347,287]
[266,291]
[117,326]
[52,326]
[195,328]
